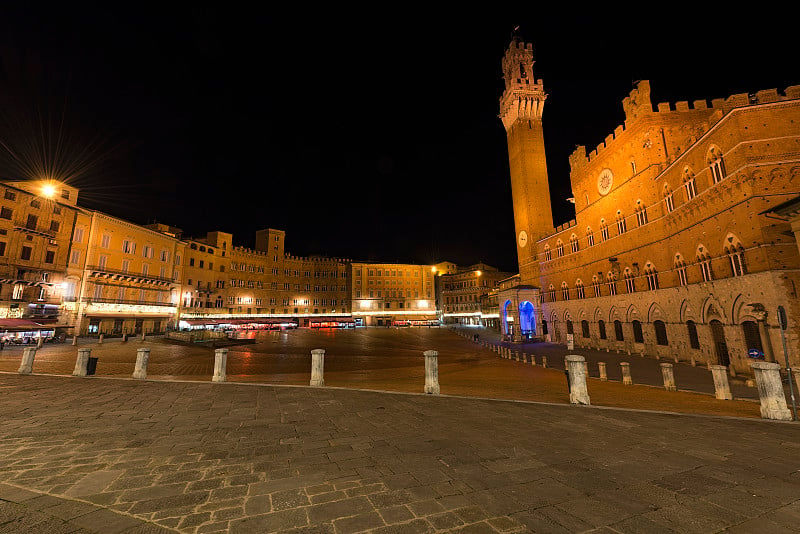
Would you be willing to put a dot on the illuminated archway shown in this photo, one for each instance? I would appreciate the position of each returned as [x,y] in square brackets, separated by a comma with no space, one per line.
[527,319]
[507,328]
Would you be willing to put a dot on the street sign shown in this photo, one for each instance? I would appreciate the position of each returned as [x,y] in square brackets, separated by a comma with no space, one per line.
[755,353]
[570,342]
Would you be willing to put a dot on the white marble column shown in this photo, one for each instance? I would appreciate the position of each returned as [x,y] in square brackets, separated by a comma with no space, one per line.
[26,366]
[626,373]
[669,377]
[142,357]
[431,372]
[220,365]
[317,367]
[82,362]
[770,391]
[721,386]
[576,367]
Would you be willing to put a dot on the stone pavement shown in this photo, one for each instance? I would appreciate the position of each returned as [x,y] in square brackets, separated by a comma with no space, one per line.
[115,455]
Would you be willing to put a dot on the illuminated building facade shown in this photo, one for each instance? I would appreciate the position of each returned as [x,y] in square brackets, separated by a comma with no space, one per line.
[677,247]
[121,278]
[387,294]
[36,219]
[463,290]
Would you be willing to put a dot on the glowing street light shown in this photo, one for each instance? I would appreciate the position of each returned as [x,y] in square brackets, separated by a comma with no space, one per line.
[48,190]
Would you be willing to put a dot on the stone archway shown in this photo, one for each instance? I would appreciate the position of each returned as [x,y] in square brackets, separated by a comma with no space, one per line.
[527,318]
[720,344]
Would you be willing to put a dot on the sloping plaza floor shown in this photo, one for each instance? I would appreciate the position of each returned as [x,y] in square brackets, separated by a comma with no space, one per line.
[500,450]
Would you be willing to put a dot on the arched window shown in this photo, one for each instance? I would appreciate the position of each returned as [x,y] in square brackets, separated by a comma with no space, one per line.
[641,213]
[565,290]
[589,237]
[573,243]
[694,341]
[596,285]
[716,164]
[559,248]
[669,202]
[547,254]
[601,326]
[622,227]
[661,332]
[680,268]
[569,327]
[618,331]
[704,261]
[552,292]
[689,183]
[579,289]
[585,328]
[735,252]
[630,280]
[638,336]
[611,281]
[651,275]
[603,230]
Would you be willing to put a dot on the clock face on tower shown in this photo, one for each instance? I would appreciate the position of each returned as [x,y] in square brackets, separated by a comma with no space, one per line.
[523,239]
[604,181]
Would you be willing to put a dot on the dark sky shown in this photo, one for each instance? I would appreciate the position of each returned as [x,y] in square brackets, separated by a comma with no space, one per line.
[366,135]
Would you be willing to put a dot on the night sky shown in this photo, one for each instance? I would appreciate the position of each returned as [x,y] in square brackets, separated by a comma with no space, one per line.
[365,135]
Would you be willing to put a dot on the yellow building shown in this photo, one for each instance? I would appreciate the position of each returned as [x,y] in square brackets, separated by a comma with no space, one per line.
[673,250]
[387,294]
[463,290]
[36,219]
[122,278]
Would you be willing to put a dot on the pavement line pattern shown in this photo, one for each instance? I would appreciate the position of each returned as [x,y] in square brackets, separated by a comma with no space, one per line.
[202,458]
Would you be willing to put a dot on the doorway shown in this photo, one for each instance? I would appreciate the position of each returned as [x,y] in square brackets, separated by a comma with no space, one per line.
[720,345]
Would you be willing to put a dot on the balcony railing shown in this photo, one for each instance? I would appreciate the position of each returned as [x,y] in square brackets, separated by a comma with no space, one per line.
[130,302]
[121,275]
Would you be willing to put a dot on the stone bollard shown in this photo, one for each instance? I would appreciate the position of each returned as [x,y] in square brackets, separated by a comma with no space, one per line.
[75,340]
[220,365]
[669,377]
[124,338]
[544,361]
[626,373]
[721,386]
[431,372]
[100,339]
[576,367]
[317,367]
[26,366]
[144,336]
[516,355]
[601,368]
[142,357]
[770,391]
[39,343]
[693,362]
[82,362]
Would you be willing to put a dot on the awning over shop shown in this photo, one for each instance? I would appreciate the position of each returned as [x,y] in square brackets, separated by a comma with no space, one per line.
[25,325]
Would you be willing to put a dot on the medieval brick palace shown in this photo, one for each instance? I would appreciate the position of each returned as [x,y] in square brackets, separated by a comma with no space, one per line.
[683,241]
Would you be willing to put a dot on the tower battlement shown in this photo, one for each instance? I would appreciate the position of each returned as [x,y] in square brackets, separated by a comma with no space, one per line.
[637,106]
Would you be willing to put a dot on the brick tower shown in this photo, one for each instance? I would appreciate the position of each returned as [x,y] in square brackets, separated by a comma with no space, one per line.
[521,112]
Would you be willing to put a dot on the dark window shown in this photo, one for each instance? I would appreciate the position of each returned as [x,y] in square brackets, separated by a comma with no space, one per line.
[54,225]
[10,195]
[26,253]
[57,209]
[6,213]
[2,248]
[618,331]
[752,338]
[694,341]
[638,337]
[65,193]
[585,328]
[569,328]
[35,203]
[50,256]
[661,333]
[601,325]
[31,223]
[544,328]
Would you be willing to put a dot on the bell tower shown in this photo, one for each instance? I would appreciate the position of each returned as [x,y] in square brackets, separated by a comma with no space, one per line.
[521,112]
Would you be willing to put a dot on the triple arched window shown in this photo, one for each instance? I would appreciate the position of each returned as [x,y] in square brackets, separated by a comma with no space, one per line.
[689,183]
[735,252]
[716,165]
[704,261]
